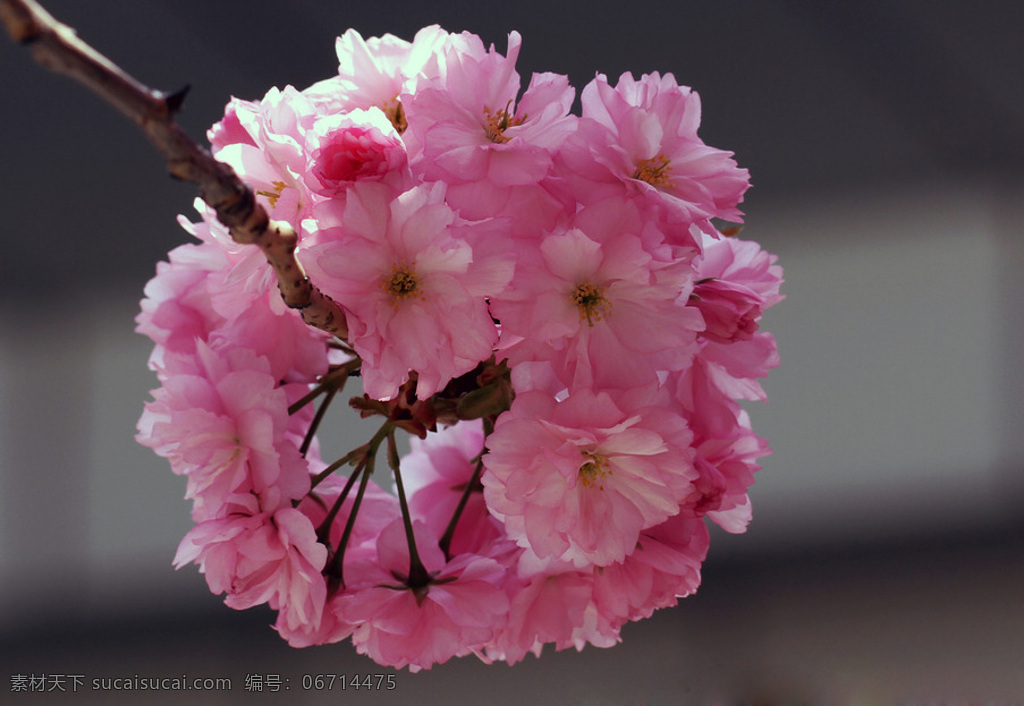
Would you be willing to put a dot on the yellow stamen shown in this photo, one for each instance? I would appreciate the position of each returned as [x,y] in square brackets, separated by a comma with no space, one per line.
[401,284]
[655,171]
[273,196]
[593,471]
[589,299]
[497,123]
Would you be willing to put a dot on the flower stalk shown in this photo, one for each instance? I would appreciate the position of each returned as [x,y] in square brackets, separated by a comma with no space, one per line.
[57,47]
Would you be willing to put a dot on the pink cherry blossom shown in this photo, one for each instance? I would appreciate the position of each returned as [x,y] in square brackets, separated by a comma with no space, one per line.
[221,421]
[664,567]
[579,479]
[734,368]
[549,608]
[600,308]
[737,281]
[457,610]
[727,466]
[726,449]
[376,72]
[641,137]
[416,297]
[465,126]
[177,311]
[261,557]
[226,295]
[730,310]
[345,147]
[331,627]
[741,262]
[735,354]
[229,129]
[377,509]
[273,154]
[540,298]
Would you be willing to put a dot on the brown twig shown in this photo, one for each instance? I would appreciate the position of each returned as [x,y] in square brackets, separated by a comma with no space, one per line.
[56,46]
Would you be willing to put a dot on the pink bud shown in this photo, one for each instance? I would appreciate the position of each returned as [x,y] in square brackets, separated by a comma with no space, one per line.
[361,145]
[730,310]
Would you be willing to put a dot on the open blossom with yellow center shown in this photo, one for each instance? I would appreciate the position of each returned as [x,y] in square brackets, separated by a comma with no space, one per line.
[413,289]
[645,130]
[579,479]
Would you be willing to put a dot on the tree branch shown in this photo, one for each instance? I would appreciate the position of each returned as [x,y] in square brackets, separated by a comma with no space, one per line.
[57,47]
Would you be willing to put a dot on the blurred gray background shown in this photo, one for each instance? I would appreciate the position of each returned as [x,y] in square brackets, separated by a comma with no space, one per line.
[884,563]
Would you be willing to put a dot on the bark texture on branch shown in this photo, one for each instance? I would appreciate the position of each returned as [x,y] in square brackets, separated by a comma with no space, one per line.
[57,47]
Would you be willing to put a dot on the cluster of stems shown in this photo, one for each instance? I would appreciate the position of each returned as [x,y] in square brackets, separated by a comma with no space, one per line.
[484,394]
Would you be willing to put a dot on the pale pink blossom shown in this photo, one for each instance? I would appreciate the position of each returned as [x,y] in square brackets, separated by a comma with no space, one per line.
[266,147]
[599,308]
[734,360]
[459,223]
[737,281]
[296,352]
[727,467]
[579,479]
[226,294]
[400,622]
[641,137]
[331,627]
[176,311]
[259,557]
[549,608]
[415,295]
[377,509]
[735,368]
[726,449]
[741,262]
[465,125]
[242,272]
[376,72]
[229,129]
[221,421]
[664,567]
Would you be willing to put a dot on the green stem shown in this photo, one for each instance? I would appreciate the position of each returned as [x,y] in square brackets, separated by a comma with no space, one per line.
[366,466]
[473,484]
[323,532]
[418,575]
[317,418]
[347,458]
[337,568]
[335,379]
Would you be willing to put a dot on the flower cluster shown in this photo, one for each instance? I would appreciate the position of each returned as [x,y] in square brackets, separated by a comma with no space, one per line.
[542,299]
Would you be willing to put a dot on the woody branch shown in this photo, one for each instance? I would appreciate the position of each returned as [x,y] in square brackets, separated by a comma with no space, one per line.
[57,47]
